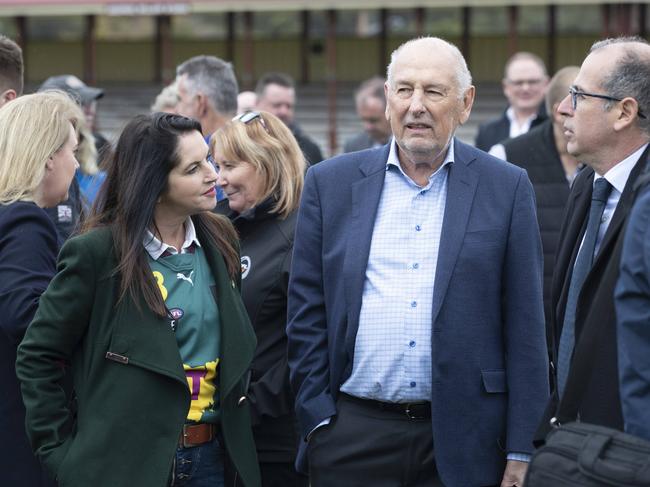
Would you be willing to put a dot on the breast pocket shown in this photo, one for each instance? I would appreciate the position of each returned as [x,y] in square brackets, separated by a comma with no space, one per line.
[484,237]
[494,381]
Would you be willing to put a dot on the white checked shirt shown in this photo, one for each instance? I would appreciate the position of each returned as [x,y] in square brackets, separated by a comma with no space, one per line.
[392,353]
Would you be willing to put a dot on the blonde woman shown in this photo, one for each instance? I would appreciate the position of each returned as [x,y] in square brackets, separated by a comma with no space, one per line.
[37,164]
[261,170]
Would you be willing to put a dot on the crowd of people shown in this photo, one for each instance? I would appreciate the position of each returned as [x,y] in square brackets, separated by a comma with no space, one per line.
[204,302]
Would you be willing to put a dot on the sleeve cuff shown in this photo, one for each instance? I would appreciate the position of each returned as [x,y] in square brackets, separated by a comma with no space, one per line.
[519,457]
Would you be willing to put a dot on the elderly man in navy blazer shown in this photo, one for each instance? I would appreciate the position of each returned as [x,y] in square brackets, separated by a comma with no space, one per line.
[415,322]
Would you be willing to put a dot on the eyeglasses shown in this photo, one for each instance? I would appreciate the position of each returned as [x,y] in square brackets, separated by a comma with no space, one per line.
[519,83]
[248,117]
[575,93]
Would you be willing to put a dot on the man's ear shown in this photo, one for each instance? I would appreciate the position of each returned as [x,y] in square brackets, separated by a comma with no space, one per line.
[629,112]
[202,104]
[7,96]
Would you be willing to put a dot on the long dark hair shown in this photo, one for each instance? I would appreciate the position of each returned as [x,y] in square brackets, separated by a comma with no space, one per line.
[137,175]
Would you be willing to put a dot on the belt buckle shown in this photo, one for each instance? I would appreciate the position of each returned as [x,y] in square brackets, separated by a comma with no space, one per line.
[409,413]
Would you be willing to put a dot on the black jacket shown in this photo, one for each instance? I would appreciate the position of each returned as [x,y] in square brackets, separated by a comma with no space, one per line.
[498,130]
[535,151]
[28,250]
[309,148]
[266,248]
[600,403]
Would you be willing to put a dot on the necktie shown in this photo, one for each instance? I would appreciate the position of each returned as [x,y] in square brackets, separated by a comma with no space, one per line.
[581,268]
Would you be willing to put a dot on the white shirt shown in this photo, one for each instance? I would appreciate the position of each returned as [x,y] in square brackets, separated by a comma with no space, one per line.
[617,177]
[156,248]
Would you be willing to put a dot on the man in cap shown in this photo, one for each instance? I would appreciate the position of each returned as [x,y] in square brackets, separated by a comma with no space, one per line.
[67,214]
[86,96]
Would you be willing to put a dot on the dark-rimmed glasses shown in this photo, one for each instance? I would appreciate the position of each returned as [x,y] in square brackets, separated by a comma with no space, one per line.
[248,117]
[575,93]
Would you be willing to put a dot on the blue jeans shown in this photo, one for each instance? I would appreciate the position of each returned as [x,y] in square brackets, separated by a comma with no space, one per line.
[199,466]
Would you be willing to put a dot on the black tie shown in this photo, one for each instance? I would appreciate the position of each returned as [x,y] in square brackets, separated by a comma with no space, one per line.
[581,268]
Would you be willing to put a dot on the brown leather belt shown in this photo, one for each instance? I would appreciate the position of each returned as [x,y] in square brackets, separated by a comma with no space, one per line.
[197,434]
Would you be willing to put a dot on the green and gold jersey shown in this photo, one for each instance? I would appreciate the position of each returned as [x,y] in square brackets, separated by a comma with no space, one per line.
[186,284]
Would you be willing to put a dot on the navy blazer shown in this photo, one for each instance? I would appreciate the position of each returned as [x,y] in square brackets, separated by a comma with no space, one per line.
[633,316]
[28,249]
[489,364]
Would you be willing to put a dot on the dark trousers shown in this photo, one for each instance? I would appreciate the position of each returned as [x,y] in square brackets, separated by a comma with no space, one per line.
[282,475]
[365,446]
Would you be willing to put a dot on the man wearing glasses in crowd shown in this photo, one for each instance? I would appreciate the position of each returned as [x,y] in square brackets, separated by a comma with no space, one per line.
[607,130]
[524,85]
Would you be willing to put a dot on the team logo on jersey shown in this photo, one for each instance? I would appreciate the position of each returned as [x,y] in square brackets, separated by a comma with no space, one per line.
[245,266]
[182,276]
[175,314]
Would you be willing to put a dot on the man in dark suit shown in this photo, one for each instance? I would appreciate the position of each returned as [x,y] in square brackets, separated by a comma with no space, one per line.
[370,102]
[416,334]
[542,153]
[524,83]
[276,93]
[607,130]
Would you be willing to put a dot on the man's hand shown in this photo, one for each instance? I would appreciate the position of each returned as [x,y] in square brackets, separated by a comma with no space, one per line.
[514,474]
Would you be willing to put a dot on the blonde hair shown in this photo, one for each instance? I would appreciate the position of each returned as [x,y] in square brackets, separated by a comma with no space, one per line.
[86,150]
[272,150]
[32,129]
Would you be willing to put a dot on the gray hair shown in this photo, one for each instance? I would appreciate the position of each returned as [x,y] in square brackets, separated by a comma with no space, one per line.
[630,77]
[214,78]
[463,76]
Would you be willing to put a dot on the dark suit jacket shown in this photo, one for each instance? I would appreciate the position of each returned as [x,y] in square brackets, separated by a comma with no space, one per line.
[131,390]
[498,130]
[309,148]
[633,313]
[489,366]
[28,248]
[600,403]
[358,142]
[535,151]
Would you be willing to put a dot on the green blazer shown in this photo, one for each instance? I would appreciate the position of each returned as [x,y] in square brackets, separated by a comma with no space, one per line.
[131,392]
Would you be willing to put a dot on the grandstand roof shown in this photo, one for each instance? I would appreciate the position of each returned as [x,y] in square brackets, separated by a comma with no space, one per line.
[179,7]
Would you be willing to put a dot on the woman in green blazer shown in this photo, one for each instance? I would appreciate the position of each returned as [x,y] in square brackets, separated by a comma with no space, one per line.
[146,308]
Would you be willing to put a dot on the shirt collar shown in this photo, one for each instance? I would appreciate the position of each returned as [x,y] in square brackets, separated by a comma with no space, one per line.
[156,248]
[393,159]
[618,175]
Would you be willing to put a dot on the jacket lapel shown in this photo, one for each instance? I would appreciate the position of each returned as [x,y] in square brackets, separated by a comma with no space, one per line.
[461,188]
[578,204]
[621,213]
[145,340]
[237,339]
[366,193]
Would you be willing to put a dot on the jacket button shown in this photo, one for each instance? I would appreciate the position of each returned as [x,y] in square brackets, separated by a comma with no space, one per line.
[242,400]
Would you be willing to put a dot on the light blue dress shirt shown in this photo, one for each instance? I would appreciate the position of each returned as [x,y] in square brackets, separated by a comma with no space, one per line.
[392,353]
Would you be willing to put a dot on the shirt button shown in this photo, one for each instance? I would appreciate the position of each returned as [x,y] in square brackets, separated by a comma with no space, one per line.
[414,304]
[416,265]
[418,228]
[413,384]
[412,343]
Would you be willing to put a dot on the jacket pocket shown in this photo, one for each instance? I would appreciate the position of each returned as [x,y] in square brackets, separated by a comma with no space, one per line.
[494,381]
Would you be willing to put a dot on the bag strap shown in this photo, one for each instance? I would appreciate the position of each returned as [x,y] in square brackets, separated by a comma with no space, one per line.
[585,350]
